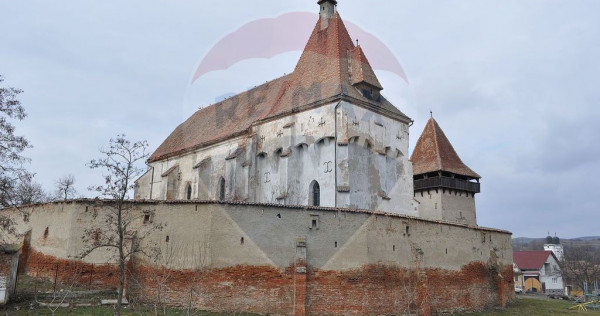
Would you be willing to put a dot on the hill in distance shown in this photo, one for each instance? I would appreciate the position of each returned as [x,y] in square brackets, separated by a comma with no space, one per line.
[527,243]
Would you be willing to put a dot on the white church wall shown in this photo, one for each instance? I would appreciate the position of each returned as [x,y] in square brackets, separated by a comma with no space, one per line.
[373,167]
[282,158]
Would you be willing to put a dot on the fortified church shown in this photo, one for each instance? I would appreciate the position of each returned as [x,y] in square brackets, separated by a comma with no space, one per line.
[296,197]
[323,135]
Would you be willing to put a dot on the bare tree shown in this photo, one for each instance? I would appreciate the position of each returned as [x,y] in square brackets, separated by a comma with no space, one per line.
[11,145]
[28,191]
[65,187]
[12,172]
[581,265]
[119,161]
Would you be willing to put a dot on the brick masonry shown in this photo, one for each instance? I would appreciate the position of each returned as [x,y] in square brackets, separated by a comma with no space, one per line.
[371,290]
[97,276]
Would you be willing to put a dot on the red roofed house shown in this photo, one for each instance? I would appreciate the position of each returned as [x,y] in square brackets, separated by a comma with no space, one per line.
[540,271]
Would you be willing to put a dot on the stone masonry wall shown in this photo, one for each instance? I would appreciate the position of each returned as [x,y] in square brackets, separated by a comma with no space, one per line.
[273,259]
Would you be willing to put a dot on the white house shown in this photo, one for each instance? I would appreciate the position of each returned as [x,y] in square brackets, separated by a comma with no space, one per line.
[540,270]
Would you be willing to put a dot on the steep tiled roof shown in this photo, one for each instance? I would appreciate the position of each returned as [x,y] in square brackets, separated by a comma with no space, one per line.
[531,260]
[361,69]
[321,76]
[434,152]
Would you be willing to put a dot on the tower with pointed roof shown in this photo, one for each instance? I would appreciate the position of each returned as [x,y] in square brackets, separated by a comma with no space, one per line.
[444,186]
[322,135]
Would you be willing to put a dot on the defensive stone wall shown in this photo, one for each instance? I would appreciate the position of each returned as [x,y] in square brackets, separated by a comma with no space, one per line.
[290,260]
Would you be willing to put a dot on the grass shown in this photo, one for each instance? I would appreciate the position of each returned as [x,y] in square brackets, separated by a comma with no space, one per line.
[106,311]
[520,306]
[536,307]
[26,305]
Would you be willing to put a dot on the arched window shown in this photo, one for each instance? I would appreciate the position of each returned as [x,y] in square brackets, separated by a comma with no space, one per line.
[222,189]
[315,194]
[188,192]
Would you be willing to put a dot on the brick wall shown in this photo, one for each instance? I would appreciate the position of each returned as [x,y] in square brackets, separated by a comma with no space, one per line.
[372,290]
[241,288]
[96,276]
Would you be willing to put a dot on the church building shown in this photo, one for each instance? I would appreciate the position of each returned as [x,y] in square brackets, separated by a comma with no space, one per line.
[296,197]
[323,135]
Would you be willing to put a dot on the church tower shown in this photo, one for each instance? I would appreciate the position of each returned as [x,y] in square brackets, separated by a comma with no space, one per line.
[444,186]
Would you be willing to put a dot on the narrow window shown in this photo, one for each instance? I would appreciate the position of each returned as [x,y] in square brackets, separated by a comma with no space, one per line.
[314,221]
[146,218]
[222,189]
[242,240]
[393,247]
[336,244]
[315,194]
[46,232]
[167,238]
[188,192]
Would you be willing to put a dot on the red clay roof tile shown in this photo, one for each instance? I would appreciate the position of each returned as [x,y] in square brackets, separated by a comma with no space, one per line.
[321,76]
[434,152]
[531,260]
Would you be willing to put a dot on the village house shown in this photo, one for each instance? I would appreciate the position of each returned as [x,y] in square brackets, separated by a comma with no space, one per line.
[540,272]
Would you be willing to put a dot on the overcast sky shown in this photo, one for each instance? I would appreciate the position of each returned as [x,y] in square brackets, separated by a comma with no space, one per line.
[514,85]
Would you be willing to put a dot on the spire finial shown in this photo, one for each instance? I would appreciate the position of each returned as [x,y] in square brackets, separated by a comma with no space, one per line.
[431,113]
[357,42]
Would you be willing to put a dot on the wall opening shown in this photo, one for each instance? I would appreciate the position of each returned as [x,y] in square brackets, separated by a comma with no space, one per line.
[315,194]
[146,218]
[188,192]
[336,244]
[46,232]
[242,241]
[167,238]
[222,189]
[393,247]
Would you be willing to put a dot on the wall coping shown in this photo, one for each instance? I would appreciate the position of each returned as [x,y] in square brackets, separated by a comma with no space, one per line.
[294,207]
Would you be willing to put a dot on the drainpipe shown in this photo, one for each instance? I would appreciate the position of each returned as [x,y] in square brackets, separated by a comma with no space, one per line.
[335,151]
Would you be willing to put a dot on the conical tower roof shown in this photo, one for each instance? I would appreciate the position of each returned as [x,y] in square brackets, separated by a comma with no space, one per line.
[434,153]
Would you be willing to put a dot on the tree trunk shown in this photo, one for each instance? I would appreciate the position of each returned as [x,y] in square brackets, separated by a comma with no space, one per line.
[121,261]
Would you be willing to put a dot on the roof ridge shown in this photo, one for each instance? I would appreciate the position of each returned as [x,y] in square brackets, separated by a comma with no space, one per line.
[339,21]
[437,144]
